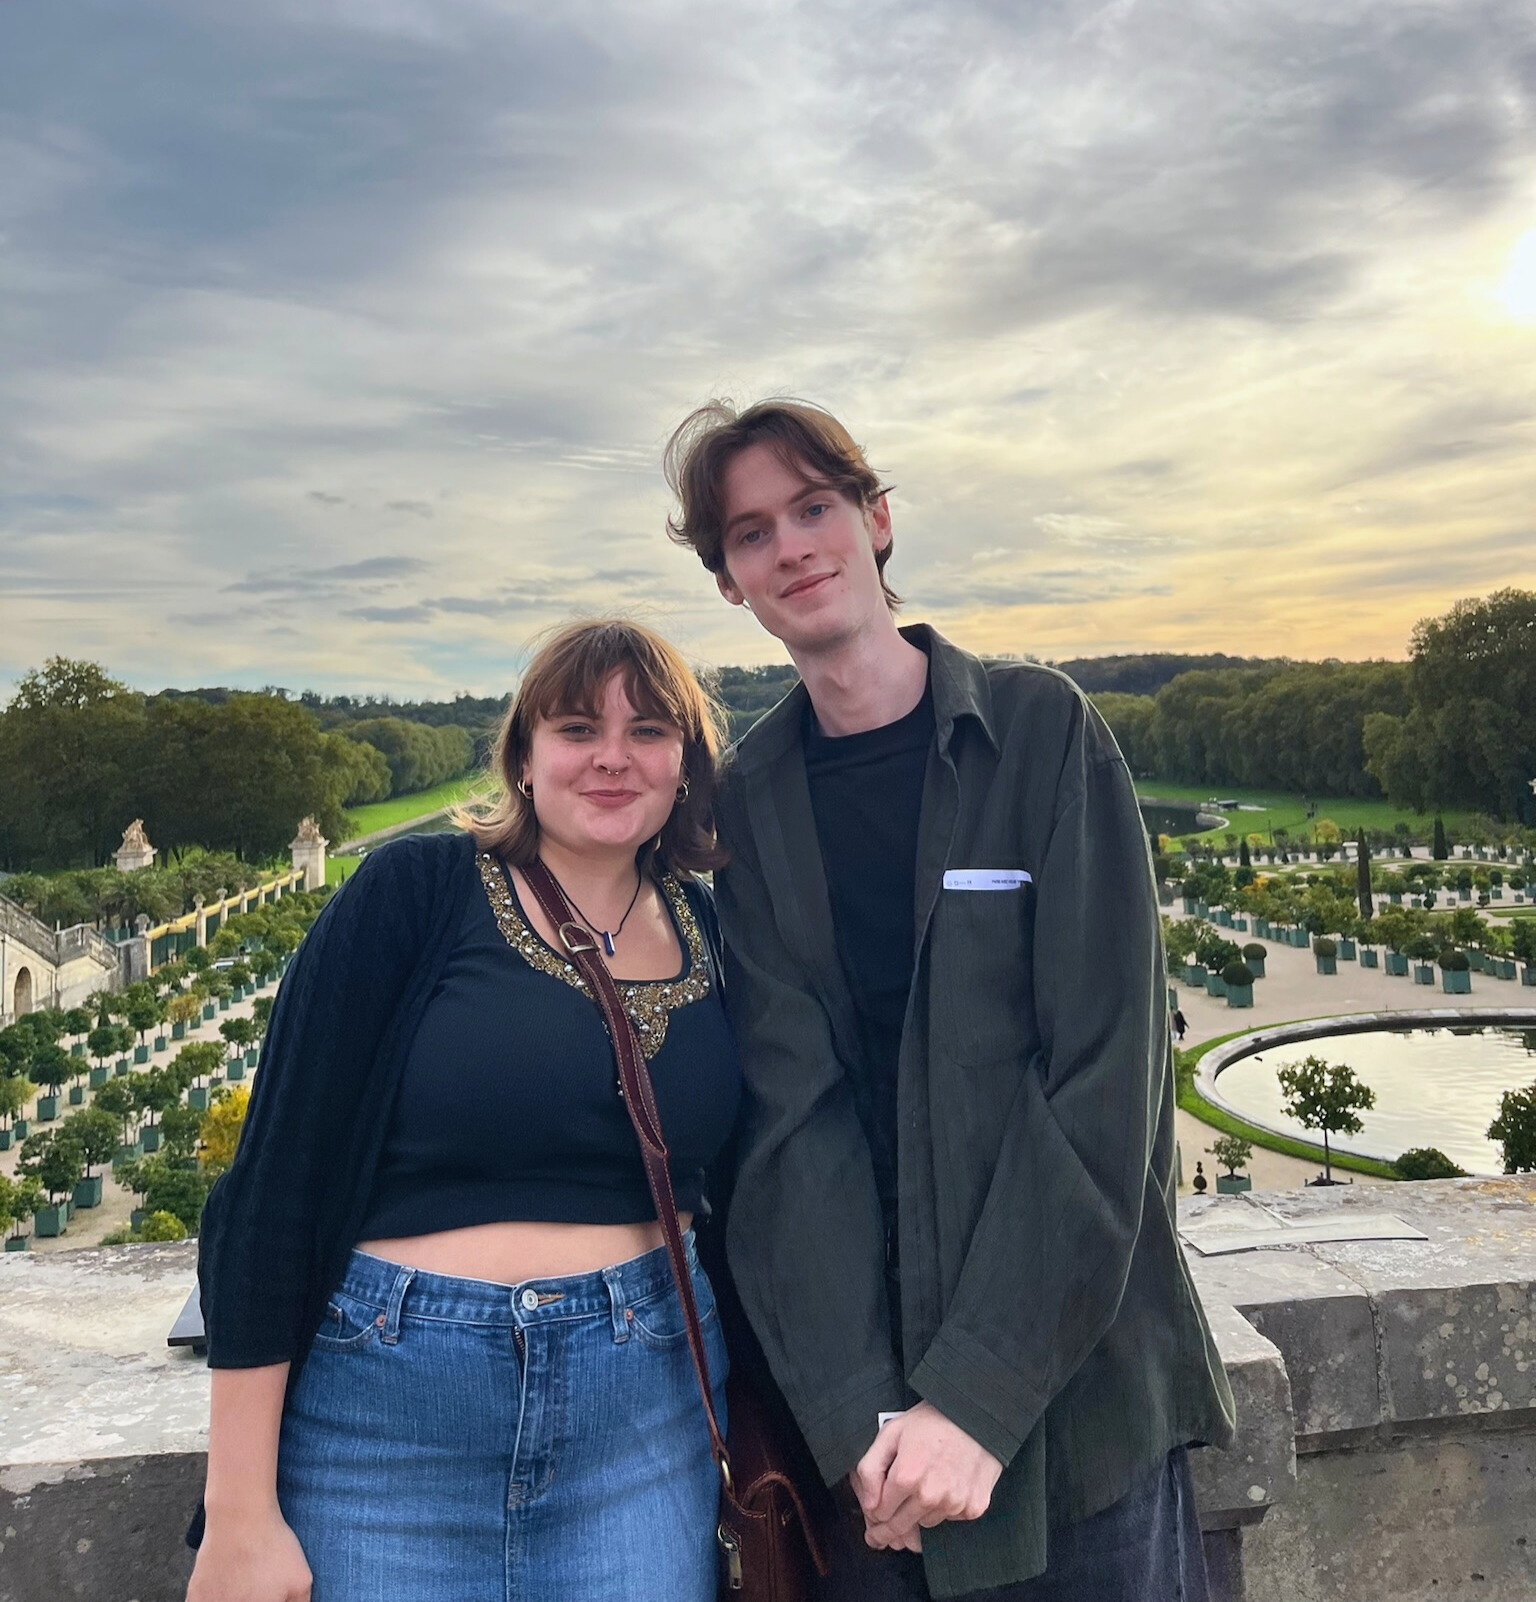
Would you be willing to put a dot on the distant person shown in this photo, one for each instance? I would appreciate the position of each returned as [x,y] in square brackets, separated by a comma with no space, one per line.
[1180,1024]
[953,1221]
[447,1346]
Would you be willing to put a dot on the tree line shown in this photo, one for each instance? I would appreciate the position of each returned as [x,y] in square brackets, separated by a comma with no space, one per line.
[1453,726]
[82,755]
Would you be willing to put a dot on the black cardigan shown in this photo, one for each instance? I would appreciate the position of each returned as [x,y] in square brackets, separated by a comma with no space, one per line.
[279,1226]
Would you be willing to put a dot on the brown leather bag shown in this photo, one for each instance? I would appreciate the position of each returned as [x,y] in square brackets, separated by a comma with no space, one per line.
[767,1536]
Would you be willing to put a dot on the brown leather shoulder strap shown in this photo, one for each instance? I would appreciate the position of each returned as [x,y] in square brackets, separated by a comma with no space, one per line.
[640,1101]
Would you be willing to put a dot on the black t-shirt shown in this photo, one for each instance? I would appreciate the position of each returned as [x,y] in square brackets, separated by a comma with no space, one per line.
[509,1105]
[867,797]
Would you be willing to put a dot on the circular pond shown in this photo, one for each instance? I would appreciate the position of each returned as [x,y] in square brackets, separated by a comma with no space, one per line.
[1434,1087]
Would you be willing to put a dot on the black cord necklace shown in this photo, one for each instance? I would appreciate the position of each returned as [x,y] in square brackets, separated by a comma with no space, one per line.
[607,936]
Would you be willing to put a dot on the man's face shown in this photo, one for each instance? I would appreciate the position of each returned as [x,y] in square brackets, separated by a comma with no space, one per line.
[799,553]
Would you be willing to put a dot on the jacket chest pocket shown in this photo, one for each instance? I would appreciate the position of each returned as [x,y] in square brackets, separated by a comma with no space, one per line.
[982,967]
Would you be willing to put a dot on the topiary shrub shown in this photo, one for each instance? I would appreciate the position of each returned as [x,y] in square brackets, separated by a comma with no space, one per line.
[1427,1162]
[1454,961]
[1254,949]
[1237,976]
[1324,947]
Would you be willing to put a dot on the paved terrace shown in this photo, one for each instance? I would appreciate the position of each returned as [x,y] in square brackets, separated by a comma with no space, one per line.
[1386,1391]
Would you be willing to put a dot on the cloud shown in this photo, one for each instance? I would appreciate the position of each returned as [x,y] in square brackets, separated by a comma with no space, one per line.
[1106,288]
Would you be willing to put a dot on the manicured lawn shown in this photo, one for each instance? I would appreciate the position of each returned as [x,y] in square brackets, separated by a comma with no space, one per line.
[403,808]
[1282,811]
[338,869]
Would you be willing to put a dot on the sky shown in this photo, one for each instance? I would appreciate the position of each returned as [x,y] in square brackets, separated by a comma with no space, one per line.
[340,339]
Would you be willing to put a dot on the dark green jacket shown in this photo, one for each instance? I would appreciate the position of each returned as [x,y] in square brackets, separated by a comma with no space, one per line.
[1046,1306]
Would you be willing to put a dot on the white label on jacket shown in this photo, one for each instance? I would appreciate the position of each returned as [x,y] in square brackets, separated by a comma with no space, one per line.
[986,879]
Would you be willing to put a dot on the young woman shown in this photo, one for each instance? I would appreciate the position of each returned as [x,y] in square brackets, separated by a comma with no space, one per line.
[449,1355]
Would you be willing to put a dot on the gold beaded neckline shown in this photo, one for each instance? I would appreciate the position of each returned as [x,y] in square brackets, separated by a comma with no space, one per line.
[649,1002]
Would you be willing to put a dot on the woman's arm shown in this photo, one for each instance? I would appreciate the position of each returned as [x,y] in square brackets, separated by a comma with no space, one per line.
[248,1553]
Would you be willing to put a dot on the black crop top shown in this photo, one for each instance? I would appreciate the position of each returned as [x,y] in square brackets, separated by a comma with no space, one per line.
[509,1106]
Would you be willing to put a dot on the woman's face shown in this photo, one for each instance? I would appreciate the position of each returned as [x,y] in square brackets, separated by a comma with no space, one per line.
[605,782]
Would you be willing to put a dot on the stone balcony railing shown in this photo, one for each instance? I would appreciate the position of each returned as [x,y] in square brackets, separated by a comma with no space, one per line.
[1386,1445]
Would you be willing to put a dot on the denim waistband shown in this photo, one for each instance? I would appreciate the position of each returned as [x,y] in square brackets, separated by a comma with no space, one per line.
[414,1292]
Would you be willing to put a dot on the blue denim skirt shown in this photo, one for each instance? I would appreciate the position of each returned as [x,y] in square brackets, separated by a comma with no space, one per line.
[457,1440]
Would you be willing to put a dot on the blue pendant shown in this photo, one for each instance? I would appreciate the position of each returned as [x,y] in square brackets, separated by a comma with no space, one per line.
[607,941]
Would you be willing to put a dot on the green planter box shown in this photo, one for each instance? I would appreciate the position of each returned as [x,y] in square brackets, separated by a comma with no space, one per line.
[1241,925]
[21,1128]
[1223,918]
[161,1043]
[1257,964]
[1368,958]
[1397,898]
[1347,950]
[16,1243]
[78,1049]
[1202,909]
[99,1077]
[223,1003]
[1423,974]
[122,1068]
[1164,899]
[1215,985]
[236,1070]
[1506,967]
[197,1098]
[149,1139]
[76,1095]
[1397,964]
[1239,995]
[178,1031]
[141,1054]
[47,1109]
[1528,974]
[252,1056]
[1326,964]
[88,1192]
[5,1140]
[1232,1184]
[48,1222]
[130,1152]
[136,1218]
[1194,975]
[208,1010]
[1189,906]
[1456,982]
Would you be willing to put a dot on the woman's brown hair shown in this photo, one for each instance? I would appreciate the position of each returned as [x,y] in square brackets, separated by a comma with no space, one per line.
[567,675]
[804,437]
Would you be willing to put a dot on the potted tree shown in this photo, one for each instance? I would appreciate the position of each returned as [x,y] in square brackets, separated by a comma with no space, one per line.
[1256,955]
[180,1010]
[1232,1152]
[77,1022]
[94,1132]
[1514,1127]
[1523,943]
[122,1102]
[143,1015]
[239,1033]
[1326,954]
[56,1163]
[1326,1096]
[1455,972]
[157,1092]
[51,1067]
[1237,978]
[1421,950]
[16,1090]
[1428,1162]
[19,1199]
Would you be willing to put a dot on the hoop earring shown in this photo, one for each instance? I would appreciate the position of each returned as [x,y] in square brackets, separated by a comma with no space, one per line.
[525,789]
[682,791]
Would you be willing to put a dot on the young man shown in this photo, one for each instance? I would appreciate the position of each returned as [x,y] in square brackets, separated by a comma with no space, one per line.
[955,1201]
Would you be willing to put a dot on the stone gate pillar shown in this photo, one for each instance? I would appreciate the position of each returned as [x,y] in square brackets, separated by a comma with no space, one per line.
[308,848]
[135,851]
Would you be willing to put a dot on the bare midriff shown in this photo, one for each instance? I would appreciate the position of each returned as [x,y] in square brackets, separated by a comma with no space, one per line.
[509,1253]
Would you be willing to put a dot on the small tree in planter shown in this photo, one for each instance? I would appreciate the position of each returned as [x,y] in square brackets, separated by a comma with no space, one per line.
[19,1199]
[1326,953]
[77,1022]
[179,1129]
[1428,1162]
[16,1090]
[94,1131]
[52,1068]
[1326,1096]
[119,1097]
[1455,973]
[200,1060]
[180,1010]
[143,1015]
[1237,977]
[56,1162]
[1515,1129]
[1232,1152]
[1421,951]
[1256,955]
[239,1033]
[157,1092]
[261,1013]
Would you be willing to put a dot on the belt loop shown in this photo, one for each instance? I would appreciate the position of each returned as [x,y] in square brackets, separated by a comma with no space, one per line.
[618,1304]
[396,1302]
